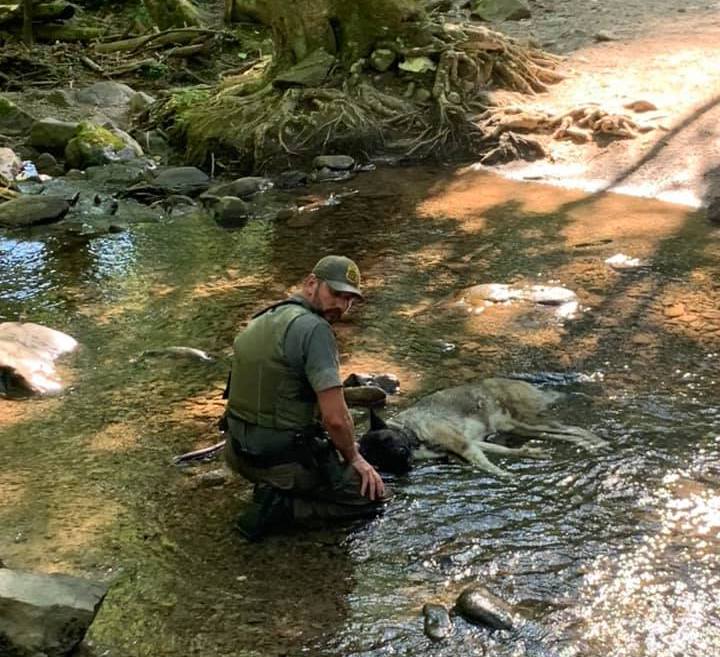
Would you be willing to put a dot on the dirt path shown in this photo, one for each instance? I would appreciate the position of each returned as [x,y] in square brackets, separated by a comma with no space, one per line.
[661,53]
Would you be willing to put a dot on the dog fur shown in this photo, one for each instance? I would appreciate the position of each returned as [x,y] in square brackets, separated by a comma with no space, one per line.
[460,420]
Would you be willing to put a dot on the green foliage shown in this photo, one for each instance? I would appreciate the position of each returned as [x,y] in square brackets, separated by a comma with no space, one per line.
[155,71]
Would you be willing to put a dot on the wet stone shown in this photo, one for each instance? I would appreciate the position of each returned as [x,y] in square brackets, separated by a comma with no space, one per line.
[231,212]
[32,210]
[364,396]
[437,623]
[331,175]
[387,382]
[291,179]
[478,605]
[334,162]
[242,187]
[190,181]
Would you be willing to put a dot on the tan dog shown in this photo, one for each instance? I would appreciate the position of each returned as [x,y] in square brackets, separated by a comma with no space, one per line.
[460,420]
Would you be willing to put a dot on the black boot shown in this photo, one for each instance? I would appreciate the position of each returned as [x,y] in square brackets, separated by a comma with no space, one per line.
[270,509]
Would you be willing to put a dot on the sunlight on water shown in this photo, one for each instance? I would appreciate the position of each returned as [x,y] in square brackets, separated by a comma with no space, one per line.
[662,597]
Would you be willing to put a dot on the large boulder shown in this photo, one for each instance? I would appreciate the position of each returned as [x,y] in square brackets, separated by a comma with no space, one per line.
[51,134]
[31,210]
[13,120]
[27,358]
[45,615]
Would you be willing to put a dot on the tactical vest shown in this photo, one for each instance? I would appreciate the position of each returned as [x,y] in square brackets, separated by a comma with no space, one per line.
[264,389]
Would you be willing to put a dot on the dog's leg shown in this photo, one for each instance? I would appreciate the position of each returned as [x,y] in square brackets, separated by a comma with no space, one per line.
[474,454]
[553,431]
[494,448]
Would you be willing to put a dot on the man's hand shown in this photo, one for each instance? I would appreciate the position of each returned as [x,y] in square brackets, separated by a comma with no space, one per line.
[339,425]
[372,485]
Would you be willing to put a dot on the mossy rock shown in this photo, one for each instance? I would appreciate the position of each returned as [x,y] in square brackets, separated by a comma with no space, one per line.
[94,145]
[13,120]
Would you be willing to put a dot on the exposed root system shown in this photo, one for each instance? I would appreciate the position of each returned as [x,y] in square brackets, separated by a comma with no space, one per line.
[253,125]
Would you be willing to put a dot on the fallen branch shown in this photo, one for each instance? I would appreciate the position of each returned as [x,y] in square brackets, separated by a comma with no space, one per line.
[204,454]
[176,36]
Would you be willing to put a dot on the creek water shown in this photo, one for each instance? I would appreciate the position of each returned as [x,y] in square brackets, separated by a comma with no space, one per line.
[605,553]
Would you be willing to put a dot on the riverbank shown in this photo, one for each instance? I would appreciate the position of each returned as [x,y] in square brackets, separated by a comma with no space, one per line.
[621,52]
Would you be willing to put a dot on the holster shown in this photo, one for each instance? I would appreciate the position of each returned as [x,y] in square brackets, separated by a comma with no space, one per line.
[313,447]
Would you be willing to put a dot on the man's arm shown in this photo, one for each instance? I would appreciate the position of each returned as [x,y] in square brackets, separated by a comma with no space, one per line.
[338,423]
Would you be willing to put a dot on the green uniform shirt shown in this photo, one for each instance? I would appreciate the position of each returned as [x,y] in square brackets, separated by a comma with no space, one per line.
[285,356]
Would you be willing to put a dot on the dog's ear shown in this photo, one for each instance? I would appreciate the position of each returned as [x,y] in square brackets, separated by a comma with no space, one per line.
[376,422]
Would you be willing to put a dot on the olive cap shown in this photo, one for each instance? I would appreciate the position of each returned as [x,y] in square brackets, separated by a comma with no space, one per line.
[340,273]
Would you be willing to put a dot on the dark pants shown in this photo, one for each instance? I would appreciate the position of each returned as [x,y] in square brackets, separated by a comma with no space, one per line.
[320,485]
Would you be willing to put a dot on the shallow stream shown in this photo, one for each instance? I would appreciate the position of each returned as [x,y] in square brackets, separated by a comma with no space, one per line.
[610,553]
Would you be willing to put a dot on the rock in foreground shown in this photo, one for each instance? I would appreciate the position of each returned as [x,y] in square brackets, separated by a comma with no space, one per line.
[27,355]
[45,614]
[477,605]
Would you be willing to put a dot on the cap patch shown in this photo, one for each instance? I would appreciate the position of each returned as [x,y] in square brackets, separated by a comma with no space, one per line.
[353,274]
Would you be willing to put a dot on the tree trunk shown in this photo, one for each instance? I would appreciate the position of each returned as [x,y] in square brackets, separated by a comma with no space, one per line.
[345,29]
[27,22]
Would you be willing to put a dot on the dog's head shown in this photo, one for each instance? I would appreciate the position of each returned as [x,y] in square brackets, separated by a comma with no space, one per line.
[386,448]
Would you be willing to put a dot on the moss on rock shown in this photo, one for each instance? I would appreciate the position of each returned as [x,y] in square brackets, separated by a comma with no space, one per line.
[92,145]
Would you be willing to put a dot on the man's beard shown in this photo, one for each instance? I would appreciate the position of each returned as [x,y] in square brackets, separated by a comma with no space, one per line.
[331,315]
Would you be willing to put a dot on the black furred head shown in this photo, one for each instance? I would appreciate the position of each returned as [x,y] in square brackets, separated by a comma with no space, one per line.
[388,449]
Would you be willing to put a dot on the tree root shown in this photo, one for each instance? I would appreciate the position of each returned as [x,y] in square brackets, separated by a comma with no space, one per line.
[580,125]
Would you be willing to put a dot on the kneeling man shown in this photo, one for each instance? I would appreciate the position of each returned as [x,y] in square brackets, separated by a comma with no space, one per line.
[286,413]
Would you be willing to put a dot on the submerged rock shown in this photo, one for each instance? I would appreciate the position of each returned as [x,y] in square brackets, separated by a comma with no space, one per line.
[31,210]
[437,623]
[27,358]
[45,614]
[477,605]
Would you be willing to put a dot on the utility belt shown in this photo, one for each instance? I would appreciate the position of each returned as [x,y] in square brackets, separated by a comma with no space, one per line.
[310,447]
